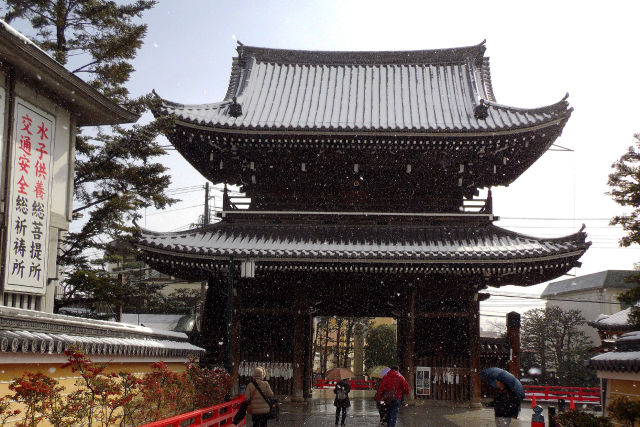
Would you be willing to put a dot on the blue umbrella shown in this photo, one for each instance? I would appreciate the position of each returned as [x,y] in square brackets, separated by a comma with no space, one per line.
[491,375]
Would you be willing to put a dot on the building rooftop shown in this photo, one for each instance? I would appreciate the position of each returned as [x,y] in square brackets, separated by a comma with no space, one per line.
[441,90]
[606,279]
[465,246]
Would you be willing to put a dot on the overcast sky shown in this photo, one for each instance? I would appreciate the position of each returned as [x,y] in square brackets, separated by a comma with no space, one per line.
[539,51]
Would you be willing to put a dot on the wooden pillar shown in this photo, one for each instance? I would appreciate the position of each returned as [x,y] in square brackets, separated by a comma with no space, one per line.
[474,351]
[513,335]
[309,357]
[236,337]
[400,331]
[213,322]
[298,350]
[408,343]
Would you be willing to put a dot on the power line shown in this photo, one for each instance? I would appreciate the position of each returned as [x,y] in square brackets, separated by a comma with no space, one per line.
[553,299]
[173,210]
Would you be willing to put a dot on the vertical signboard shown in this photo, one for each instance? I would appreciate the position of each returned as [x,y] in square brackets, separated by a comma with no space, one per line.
[423,381]
[29,200]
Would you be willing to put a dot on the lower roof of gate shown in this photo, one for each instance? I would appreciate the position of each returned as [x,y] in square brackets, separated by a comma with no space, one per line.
[457,243]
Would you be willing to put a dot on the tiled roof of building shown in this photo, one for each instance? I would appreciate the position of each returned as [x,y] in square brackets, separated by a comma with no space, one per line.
[449,243]
[618,321]
[625,358]
[606,279]
[443,90]
[45,333]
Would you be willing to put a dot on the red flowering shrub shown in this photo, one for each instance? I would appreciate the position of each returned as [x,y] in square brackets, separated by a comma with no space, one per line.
[105,399]
[34,391]
[5,410]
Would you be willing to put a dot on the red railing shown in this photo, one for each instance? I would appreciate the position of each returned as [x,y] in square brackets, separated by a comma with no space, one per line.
[215,416]
[355,384]
[555,393]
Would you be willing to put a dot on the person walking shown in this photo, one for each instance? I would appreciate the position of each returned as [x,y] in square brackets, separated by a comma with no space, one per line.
[506,405]
[258,406]
[392,387]
[341,402]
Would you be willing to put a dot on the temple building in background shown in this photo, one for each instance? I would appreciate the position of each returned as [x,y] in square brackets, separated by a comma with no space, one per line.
[368,179]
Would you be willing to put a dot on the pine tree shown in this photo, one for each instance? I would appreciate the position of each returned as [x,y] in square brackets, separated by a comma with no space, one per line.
[117,172]
[625,190]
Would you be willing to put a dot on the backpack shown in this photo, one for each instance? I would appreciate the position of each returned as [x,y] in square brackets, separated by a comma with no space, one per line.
[341,393]
[388,396]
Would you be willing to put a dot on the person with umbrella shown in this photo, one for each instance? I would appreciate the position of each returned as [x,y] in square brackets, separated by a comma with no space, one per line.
[506,404]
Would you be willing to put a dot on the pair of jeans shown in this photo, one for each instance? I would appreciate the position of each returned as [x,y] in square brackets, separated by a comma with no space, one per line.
[392,413]
[259,420]
[344,414]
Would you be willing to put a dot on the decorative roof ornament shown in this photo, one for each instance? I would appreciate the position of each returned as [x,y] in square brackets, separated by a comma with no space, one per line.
[481,111]
[235,109]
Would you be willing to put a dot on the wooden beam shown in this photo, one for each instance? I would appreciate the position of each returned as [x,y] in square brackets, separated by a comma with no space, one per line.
[442,314]
[274,311]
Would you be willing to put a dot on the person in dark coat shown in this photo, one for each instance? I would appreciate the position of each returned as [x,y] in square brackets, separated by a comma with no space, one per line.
[342,402]
[506,405]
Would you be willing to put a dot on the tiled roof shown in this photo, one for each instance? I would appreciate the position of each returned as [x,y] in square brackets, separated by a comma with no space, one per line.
[600,280]
[618,321]
[449,243]
[423,91]
[626,357]
[15,341]
[29,331]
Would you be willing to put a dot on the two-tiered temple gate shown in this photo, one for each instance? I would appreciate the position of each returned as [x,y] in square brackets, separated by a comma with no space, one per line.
[361,168]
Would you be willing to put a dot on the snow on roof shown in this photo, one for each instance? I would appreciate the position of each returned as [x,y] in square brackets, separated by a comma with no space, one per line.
[26,40]
[606,279]
[165,322]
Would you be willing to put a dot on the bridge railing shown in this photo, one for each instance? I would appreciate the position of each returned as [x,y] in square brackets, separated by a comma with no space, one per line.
[547,393]
[355,384]
[214,416]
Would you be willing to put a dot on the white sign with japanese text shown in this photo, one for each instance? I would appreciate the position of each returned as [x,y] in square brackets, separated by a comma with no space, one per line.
[28,200]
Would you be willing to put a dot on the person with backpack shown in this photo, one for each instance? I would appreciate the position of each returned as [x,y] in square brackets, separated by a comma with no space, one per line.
[392,387]
[342,402]
[257,393]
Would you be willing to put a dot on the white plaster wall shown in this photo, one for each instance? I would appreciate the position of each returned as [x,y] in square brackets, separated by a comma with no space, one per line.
[608,304]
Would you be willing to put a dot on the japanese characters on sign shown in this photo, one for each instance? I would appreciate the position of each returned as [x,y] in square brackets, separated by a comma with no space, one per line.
[28,200]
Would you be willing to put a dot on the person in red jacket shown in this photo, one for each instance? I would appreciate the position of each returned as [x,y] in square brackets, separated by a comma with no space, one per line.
[390,392]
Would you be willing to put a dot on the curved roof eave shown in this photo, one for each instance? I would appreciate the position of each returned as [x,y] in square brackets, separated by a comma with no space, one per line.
[421,250]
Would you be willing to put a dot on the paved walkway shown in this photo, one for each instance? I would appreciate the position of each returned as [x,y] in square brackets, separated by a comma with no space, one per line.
[363,412]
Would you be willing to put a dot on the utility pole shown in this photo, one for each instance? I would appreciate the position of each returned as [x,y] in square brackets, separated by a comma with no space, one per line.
[205,217]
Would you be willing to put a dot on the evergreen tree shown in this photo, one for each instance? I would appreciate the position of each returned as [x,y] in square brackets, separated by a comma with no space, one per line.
[116,170]
[553,343]
[625,190]
[381,347]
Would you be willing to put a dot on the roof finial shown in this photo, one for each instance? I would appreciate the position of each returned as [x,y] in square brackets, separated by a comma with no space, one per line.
[481,111]
[235,109]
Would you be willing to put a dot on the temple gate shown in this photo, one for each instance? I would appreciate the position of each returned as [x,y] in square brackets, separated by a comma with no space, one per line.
[369,177]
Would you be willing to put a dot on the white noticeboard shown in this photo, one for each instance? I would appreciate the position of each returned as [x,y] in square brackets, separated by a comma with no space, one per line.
[423,381]
[29,195]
